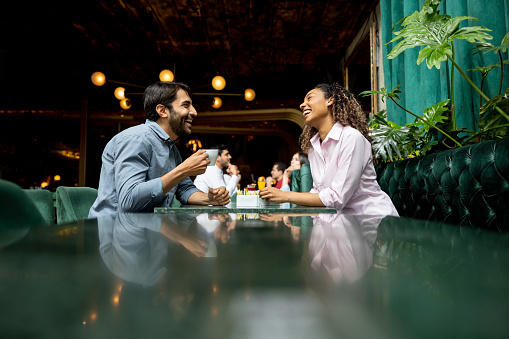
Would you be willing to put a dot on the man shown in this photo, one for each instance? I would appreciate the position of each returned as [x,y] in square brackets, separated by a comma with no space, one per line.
[277,174]
[213,176]
[143,169]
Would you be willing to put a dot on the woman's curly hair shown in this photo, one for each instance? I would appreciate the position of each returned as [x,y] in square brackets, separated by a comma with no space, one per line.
[345,109]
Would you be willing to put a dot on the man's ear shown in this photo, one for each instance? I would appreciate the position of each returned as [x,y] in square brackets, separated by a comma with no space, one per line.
[162,111]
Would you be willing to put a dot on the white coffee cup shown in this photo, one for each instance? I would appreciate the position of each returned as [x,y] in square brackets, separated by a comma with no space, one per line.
[212,156]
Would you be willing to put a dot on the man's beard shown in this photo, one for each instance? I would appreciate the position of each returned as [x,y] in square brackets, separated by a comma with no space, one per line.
[177,123]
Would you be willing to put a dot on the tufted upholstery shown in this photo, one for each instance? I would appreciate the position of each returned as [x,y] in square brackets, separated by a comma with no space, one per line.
[467,186]
[301,180]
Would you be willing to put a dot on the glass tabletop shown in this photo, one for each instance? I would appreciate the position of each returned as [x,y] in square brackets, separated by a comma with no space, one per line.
[254,276]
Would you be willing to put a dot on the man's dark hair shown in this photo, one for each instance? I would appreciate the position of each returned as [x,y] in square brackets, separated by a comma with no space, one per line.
[161,93]
[281,166]
[220,148]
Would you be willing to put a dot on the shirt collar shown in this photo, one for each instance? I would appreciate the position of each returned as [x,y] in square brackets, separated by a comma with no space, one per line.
[334,133]
[160,132]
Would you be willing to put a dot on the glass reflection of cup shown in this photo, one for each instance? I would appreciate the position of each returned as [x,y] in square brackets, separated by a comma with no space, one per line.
[261,184]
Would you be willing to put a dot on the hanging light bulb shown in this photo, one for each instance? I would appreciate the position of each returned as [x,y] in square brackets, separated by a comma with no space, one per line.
[217,102]
[218,83]
[120,93]
[98,78]
[249,94]
[125,103]
[166,75]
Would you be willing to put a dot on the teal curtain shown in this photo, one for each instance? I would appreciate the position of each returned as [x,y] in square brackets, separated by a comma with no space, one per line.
[422,87]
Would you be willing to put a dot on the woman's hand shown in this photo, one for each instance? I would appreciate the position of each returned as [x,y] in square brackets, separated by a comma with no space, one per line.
[273,195]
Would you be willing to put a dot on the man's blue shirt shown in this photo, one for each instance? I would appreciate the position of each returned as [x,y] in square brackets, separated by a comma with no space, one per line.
[132,165]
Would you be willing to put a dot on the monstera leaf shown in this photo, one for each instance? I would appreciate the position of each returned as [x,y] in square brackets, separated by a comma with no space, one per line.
[434,115]
[492,123]
[393,142]
[488,46]
[394,94]
[435,31]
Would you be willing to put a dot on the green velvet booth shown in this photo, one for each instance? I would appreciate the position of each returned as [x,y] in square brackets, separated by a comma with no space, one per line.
[17,210]
[301,180]
[43,200]
[73,203]
[466,186]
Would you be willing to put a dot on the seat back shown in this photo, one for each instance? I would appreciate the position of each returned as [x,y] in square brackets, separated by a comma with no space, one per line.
[467,186]
[43,200]
[301,180]
[17,210]
[73,203]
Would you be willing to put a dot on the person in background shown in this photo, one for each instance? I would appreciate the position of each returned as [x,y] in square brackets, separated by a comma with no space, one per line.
[213,176]
[336,137]
[230,172]
[276,174]
[298,159]
[141,166]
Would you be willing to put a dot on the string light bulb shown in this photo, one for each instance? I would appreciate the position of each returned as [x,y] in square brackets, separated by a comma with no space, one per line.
[166,75]
[120,93]
[217,102]
[218,83]
[98,78]
[125,103]
[249,94]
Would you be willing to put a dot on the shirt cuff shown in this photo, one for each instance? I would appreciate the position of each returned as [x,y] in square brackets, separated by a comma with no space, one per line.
[185,196]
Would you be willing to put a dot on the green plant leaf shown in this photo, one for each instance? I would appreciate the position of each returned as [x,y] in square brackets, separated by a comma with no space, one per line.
[492,124]
[488,47]
[434,115]
[383,92]
[436,32]
[504,45]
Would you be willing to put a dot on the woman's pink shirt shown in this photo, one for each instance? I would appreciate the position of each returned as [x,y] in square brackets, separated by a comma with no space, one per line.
[343,173]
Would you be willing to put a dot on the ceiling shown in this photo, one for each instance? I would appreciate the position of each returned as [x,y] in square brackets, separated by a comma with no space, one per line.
[279,48]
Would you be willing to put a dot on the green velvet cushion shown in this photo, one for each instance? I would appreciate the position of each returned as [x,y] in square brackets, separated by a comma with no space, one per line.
[301,180]
[16,209]
[306,180]
[43,199]
[295,181]
[466,186]
[73,203]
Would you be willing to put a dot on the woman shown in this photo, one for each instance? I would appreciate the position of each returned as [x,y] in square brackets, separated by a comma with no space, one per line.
[337,140]
[298,159]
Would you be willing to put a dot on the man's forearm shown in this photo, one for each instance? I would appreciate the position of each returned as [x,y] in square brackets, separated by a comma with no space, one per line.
[198,198]
[172,179]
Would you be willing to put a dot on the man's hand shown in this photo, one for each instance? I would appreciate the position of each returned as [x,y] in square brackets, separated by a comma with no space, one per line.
[218,196]
[274,195]
[196,164]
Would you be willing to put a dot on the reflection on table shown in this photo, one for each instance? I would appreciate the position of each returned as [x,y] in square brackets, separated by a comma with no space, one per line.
[254,275]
